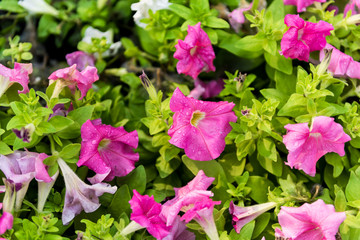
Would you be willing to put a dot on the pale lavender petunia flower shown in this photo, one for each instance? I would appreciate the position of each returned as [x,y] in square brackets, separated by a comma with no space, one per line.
[107,150]
[243,215]
[79,195]
[179,232]
[20,74]
[303,37]
[195,53]
[81,59]
[237,18]
[310,221]
[301,5]
[200,127]
[306,146]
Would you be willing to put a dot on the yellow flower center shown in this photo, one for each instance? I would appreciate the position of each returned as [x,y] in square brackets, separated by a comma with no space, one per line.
[196,117]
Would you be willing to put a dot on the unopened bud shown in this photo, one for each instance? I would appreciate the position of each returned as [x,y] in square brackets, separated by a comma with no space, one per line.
[325,62]
[149,87]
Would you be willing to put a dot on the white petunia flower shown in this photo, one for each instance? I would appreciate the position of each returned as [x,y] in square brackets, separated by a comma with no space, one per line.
[142,9]
[38,7]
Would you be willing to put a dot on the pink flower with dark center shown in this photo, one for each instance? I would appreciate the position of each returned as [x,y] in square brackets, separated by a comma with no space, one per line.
[306,146]
[107,150]
[19,74]
[301,5]
[303,37]
[200,127]
[72,78]
[6,221]
[194,191]
[79,195]
[243,215]
[81,59]
[237,18]
[341,64]
[206,89]
[195,53]
[310,221]
[146,212]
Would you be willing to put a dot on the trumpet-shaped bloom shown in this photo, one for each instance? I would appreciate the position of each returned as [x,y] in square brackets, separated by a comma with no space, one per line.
[194,191]
[22,167]
[200,127]
[306,146]
[179,232]
[38,7]
[107,150]
[195,53]
[19,74]
[6,221]
[72,78]
[146,212]
[142,9]
[81,59]
[301,5]
[310,221]
[237,18]
[303,37]
[79,195]
[341,64]
[243,215]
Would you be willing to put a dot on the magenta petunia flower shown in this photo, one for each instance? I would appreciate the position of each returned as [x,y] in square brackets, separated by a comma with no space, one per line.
[310,221]
[146,212]
[206,89]
[179,232]
[243,215]
[200,127]
[72,78]
[237,18]
[79,195]
[341,64]
[81,59]
[194,191]
[195,53]
[19,74]
[107,150]
[303,37]
[6,221]
[301,5]
[306,146]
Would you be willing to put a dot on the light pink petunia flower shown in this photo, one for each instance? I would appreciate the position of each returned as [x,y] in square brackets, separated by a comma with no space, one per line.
[354,6]
[310,221]
[206,89]
[81,59]
[341,64]
[301,5]
[107,150]
[179,232]
[303,37]
[6,221]
[146,212]
[237,18]
[306,146]
[200,127]
[79,195]
[195,53]
[243,215]
[193,192]
[72,78]
[19,74]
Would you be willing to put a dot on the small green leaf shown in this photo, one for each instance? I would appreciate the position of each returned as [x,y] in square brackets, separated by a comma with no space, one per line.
[70,151]
[5,149]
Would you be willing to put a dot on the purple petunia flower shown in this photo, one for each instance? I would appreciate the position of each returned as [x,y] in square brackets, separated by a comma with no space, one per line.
[81,59]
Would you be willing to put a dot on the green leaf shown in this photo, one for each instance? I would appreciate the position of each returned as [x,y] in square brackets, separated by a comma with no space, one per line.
[270,46]
[336,161]
[120,202]
[47,25]
[11,6]
[160,139]
[181,10]
[260,224]
[82,114]
[135,180]
[200,6]
[279,62]
[46,127]
[340,200]
[155,125]
[352,189]
[247,231]
[260,187]
[277,10]
[26,56]
[232,166]
[295,106]
[244,148]
[165,168]
[60,122]
[214,22]
[266,147]
[70,151]
[5,149]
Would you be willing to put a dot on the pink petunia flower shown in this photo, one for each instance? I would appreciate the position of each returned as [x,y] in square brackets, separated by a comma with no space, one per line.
[310,221]
[306,146]
[200,127]
[301,5]
[107,150]
[237,18]
[195,53]
[202,212]
[79,195]
[19,74]
[341,64]
[6,221]
[206,89]
[146,212]
[243,215]
[303,37]
[72,78]
[179,232]
[81,59]
[194,191]
[354,6]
